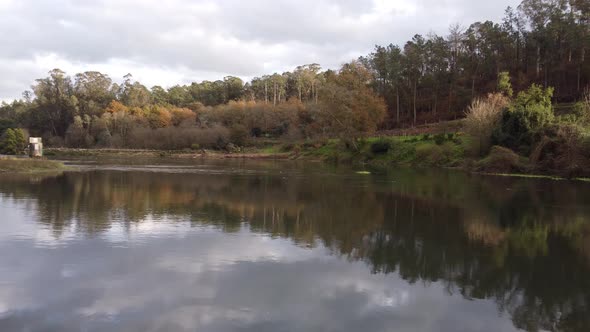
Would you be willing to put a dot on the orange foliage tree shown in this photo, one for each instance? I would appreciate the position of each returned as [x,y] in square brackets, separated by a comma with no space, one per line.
[348,107]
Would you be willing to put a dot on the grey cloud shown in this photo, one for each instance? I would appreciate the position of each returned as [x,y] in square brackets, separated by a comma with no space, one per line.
[244,38]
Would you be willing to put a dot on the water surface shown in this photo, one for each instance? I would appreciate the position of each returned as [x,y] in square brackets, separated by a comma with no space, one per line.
[277,246]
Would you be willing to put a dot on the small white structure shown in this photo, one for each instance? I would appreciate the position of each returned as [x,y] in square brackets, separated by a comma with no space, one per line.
[35,147]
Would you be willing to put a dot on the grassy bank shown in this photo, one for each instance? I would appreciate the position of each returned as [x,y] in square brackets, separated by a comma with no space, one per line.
[451,150]
[14,165]
[444,150]
[249,153]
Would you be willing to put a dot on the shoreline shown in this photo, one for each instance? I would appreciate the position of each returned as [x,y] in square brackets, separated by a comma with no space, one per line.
[60,154]
[178,154]
[16,165]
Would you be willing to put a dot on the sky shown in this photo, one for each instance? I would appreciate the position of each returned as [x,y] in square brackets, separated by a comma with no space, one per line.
[181,41]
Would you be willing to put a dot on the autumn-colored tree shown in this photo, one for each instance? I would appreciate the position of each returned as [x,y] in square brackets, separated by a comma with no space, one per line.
[348,108]
[182,116]
[115,107]
[159,117]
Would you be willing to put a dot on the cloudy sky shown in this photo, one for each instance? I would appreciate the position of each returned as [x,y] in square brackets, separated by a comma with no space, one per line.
[180,41]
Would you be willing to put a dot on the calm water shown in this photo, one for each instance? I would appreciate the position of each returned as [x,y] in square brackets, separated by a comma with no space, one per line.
[232,246]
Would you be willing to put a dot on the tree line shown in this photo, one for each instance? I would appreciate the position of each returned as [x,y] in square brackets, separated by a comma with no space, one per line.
[89,110]
[435,77]
[428,79]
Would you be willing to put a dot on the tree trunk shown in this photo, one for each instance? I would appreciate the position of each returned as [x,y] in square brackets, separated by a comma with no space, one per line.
[397,110]
[582,58]
[315,91]
[538,64]
[450,97]
[265,92]
[415,88]
[435,100]
[545,77]
[274,99]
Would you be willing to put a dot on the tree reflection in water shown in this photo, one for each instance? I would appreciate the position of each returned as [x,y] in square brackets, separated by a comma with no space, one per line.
[523,243]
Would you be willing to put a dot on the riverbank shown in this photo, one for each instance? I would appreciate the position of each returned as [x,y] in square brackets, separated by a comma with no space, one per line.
[249,153]
[26,165]
[453,150]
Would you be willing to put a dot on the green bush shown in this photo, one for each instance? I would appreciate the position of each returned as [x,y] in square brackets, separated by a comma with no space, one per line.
[562,149]
[530,112]
[13,142]
[381,146]
[501,160]
[504,84]
[581,113]
[439,139]
[431,155]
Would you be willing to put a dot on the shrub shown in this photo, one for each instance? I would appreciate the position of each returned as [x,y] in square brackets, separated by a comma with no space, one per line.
[13,142]
[500,160]
[504,85]
[581,113]
[77,136]
[530,112]
[381,146]
[232,148]
[54,141]
[316,143]
[426,137]
[239,135]
[439,139]
[428,154]
[256,132]
[535,107]
[561,148]
[104,139]
[448,149]
[482,117]
[175,138]
[287,147]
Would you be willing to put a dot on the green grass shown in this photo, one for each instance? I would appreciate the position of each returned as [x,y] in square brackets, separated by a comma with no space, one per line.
[403,151]
[29,166]
[271,149]
[418,151]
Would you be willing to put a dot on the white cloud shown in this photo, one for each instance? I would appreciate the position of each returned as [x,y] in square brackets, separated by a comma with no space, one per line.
[180,41]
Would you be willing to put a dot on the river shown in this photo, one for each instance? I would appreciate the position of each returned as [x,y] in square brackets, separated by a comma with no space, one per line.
[285,246]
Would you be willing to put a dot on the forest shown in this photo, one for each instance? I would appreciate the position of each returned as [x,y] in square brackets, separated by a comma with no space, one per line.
[429,79]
